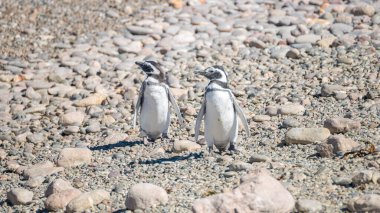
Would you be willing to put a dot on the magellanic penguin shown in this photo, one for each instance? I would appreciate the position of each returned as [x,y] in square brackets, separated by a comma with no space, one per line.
[153,103]
[220,109]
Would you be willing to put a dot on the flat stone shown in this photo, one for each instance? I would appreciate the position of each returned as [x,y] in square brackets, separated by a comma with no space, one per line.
[94,99]
[306,205]
[306,135]
[341,125]
[308,38]
[137,30]
[72,157]
[185,145]
[42,169]
[291,109]
[20,196]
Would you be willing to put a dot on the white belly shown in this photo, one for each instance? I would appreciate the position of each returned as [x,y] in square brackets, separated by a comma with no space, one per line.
[220,118]
[155,111]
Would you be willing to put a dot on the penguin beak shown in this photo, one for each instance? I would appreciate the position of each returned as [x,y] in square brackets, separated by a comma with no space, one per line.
[139,63]
[200,72]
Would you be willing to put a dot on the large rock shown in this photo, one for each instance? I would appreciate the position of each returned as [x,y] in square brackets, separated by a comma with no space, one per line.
[60,200]
[306,135]
[341,144]
[87,200]
[71,157]
[365,203]
[341,125]
[185,145]
[363,9]
[42,169]
[20,196]
[145,195]
[258,192]
[58,185]
[72,119]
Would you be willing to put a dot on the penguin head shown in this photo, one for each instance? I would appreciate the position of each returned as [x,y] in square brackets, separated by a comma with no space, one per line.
[151,68]
[215,73]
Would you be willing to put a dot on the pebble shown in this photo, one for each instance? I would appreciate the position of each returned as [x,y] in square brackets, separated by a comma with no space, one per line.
[145,195]
[185,146]
[291,109]
[365,203]
[306,205]
[341,125]
[72,157]
[261,118]
[309,38]
[94,99]
[137,30]
[341,144]
[342,181]
[259,158]
[290,123]
[306,135]
[72,119]
[239,166]
[87,200]
[363,9]
[362,177]
[59,200]
[20,196]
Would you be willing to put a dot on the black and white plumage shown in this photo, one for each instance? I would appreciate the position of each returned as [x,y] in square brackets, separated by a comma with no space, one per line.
[153,103]
[220,111]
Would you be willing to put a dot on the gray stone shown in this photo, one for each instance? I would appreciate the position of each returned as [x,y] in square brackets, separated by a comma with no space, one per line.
[145,195]
[306,135]
[306,205]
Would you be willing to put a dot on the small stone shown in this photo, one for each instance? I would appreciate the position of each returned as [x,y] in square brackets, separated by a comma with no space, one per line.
[3,154]
[341,144]
[230,174]
[185,145]
[35,182]
[293,53]
[136,30]
[72,119]
[290,122]
[184,37]
[329,90]
[133,47]
[71,130]
[239,166]
[20,196]
[363,9]
[87,200]
[257,43]
[325,150]
[309,38]
[291,109]
[342,181]
[261,118]
[362,177]
[259,158]
[72,157]
[306,135]
[94,99]
[58,185]
[145,195]
[60,199]
[365,203]
[306,205]
[341,125]
[271,110]
[42,169]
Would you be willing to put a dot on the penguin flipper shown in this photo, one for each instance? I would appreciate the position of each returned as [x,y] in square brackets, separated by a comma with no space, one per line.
[241,115]
[175,106]
[138,104]
[198,122]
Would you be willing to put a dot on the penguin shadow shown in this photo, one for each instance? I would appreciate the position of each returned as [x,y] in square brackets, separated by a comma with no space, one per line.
[172,159]
[120,144]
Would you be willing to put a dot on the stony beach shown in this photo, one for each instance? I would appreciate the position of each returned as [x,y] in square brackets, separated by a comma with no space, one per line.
[305,72]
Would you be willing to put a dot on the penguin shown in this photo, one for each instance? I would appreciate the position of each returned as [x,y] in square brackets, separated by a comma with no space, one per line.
[153,103]
[220,111]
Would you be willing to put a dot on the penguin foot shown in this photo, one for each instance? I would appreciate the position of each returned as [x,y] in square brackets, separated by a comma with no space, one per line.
[232,149]
[165,137]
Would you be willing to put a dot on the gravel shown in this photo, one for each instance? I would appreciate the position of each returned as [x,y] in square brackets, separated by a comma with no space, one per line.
[68,83]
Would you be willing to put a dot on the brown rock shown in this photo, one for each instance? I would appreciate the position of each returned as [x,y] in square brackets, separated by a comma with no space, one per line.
[325,150]
[58,185]
[341,125]
[20,196]
[95,99]
[71,157]
[42,169]
[341,144]
[87,200]
[365,203]
[60,200]
[258,192]
[185,145]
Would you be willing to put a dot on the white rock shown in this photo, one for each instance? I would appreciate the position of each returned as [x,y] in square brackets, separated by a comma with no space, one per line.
[185,145]
[20,196]
[71,157]
[87,200]
[291,109]
[306,135]
[306,205]
[258,192]
[365,203]
[72,119]
[145,195]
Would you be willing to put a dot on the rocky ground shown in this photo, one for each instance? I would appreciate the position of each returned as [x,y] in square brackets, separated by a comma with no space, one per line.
[305,72]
